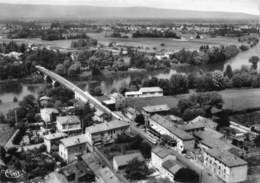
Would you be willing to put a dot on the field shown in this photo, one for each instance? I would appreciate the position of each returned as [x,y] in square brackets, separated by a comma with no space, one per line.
[236,99]
[138,103]
[5,133]
[241,99]
[170,44]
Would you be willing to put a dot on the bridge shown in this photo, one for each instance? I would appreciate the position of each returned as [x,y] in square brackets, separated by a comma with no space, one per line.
[79,93]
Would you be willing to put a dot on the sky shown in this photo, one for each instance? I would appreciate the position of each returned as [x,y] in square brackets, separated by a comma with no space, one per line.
[244,6]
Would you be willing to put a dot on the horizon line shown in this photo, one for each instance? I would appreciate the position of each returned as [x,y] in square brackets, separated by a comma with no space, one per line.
[98,6]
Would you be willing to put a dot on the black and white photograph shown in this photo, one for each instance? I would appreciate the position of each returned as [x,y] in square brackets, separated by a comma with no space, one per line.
[129,91]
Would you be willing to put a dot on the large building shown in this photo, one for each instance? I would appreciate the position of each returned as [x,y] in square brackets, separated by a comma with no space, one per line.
[71,147]
[146,92]
[68,124]
[105,133]
[48,114]
[162,126]
[225,165]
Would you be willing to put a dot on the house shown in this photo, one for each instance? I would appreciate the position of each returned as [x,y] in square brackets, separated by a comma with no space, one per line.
[68,124]
[71,147]
[193,127]
[106,132]
[207,122]
[162,126]
[148,111]
[105,175]
[48,114]
[52,139]
[225,165]
[146,92]
[77,172]
[120,161]
[165,162]
[102,172]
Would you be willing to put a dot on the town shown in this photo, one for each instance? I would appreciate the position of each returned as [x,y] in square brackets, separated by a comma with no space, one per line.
[129,101]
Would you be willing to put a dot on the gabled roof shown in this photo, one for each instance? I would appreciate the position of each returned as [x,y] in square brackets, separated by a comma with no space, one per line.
[106,126]
[123,160]
[172,166]
[68,119]
[162,152]
[156,108]
[150,89]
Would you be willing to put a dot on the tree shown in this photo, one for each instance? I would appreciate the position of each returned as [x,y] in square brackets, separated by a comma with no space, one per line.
[140,119]
[186,175]
[60,69]
[136,170]
[228,72]
[179,84]
[74,69]
[217,80]
[254,60]
[257,141]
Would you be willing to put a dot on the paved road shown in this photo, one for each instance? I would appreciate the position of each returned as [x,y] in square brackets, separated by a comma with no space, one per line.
[77,90]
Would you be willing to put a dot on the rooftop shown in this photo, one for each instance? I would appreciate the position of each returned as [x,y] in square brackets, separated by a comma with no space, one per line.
[172,166]
[49,111]
[53,136]
[215,143]
[208,122]
[122,160]
[107,175]
[106,126]
[162,152]
[150,89]
[74,140]
[68,119]
[171,127]
[208,133]
[156,108]
[93,163]
[193,126]
[226,158]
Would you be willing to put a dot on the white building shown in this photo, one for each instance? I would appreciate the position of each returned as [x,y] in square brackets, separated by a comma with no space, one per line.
[225,165]
[68,124]
[51,138]
[146,92]
[162,126]
[71,147]
[165,162]
[106,132]
[47,114]
[121,161]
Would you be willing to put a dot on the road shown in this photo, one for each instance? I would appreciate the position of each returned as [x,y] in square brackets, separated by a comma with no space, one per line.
[79,91]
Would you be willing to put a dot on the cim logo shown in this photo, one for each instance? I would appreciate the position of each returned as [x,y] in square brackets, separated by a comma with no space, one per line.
[11,175]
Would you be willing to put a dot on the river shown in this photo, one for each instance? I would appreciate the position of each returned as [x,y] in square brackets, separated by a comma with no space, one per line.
[108,83]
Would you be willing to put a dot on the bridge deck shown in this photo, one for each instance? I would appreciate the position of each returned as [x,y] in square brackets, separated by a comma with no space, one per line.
[77,90]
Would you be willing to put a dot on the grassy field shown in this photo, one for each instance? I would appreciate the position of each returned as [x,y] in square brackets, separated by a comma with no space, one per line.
[170,44]
[5,133]
[236,99]
[138,103]
[241,99]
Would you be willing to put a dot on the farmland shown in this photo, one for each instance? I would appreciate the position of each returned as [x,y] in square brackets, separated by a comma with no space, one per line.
[170,44]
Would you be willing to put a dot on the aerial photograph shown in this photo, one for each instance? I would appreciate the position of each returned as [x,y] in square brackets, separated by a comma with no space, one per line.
[129,91]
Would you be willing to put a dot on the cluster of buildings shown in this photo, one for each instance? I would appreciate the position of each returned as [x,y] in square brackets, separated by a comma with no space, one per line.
[189,144]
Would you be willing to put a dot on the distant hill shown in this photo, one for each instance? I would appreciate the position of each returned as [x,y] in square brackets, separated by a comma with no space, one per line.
[21,11]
